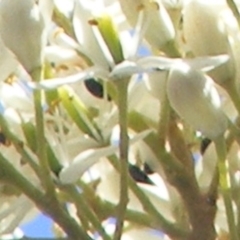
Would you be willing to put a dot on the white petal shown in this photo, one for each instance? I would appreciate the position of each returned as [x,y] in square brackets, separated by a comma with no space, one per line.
[161,63]
[8,62]
[58,82]
[194,97]
[86,159]
[83,12]
[83,162]
[206,63]
[24,35]
[125,69]
[159,27]
[16,96]
[60,55]
[211,38]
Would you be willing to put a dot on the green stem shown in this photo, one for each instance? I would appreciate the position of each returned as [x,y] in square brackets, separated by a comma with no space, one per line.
[105,209]
[122,89]
[163,119]
[85,210]
[201,213]
[18,144]
[9,175]
[51,203]
[168,227]
[41,144]
[224,181]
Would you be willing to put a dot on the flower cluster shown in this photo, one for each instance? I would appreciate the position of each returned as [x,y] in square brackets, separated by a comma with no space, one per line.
[119,119]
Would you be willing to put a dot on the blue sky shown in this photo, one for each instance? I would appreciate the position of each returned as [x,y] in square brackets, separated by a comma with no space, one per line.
[38,227]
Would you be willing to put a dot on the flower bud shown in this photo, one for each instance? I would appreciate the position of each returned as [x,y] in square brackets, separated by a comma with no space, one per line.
[193,96]
[206,33]
[21,28]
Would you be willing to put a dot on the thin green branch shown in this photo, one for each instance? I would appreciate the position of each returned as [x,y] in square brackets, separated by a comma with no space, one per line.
[163,119]
[9,175]
[168,227]
[105,209]
[224,181]
[200,211]
[122,89]
[85,210]
[18,144]
[41,143]
[179,146]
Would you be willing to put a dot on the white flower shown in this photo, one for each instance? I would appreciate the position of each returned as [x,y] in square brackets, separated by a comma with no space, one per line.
[86,159]
[157,23]
[158,67]
[174,8]
[88,35]
[219,36]
[194,97]
[21,28]
[17,95]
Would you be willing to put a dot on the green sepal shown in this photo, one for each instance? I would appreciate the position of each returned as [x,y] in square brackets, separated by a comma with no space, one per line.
[29,131]
[30,135]
[77,111]
[110,35]
[54,164]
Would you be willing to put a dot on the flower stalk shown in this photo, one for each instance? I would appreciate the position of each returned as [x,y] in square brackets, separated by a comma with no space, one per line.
[9,175]
[157,218]
[83,209]
[37,76]
[225,188]
[122,90]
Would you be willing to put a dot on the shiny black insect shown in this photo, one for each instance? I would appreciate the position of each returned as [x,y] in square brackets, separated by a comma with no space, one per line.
[138,175]
[95,88]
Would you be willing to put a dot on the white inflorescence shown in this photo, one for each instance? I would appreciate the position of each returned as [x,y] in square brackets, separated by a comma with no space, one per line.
[183,92]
